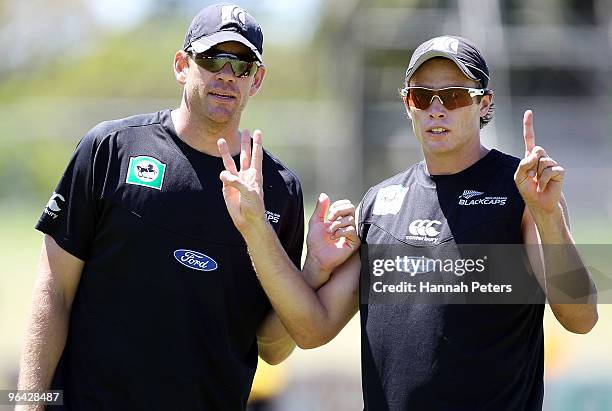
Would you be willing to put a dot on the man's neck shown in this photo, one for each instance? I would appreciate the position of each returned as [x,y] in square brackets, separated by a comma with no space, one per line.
[202,134]
[454,162]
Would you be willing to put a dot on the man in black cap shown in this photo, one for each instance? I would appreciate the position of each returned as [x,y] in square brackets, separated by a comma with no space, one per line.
[436,355]
[146,297]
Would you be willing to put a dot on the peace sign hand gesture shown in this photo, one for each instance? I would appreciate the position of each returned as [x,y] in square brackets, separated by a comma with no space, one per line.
[538,177]
[243,190]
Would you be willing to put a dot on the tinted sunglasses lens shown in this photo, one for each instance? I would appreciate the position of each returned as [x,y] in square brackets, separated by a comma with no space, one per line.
[210,64]
[452,98]
[420,98]
[455,97]
[241,68]
[215,64]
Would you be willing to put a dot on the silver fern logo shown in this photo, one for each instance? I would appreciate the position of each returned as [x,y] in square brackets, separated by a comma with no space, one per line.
[467,194]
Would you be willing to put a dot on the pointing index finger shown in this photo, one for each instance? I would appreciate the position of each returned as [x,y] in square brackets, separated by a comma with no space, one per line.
[528,132]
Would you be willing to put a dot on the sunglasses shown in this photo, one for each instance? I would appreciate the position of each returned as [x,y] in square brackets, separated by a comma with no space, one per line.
[215,63]
[451,97]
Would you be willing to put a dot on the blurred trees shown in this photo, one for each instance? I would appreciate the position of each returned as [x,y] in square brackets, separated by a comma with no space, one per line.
[66,85]
[37,30]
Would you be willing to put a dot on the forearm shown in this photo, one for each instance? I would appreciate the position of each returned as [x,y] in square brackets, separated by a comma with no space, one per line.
[273,341]
[45,338]
[294,301]
[570,288]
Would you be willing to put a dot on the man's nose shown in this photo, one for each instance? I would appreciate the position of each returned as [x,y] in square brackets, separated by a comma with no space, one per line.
[226,73]
[437,109]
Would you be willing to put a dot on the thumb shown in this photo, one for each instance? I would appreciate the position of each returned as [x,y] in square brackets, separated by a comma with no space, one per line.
[321,208]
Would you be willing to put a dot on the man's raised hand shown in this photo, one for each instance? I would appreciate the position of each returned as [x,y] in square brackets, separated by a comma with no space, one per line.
[538,177]
[332,240]
[243,189]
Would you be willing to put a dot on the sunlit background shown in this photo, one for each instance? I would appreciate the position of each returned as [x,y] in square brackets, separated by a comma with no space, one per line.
[329,108]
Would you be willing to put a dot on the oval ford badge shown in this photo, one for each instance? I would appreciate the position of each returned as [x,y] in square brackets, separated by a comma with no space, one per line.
[195,260]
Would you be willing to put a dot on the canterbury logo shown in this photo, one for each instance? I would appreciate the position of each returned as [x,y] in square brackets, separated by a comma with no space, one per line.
[467,194]
[424,228]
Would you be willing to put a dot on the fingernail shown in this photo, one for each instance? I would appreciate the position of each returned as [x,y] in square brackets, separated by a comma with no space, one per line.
[531,173]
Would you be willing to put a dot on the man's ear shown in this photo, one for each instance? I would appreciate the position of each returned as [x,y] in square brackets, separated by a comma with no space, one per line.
[181,66]
[257,80]
[485,104]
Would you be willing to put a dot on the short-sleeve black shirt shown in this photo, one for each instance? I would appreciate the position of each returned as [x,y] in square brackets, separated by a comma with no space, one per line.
[450,357]
[168,304]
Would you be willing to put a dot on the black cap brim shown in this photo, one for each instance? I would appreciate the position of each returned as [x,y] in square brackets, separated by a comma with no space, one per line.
[205,43]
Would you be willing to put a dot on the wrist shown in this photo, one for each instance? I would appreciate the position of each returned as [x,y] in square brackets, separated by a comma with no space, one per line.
[255,228]
[551,224]
[314,272]
[547,218]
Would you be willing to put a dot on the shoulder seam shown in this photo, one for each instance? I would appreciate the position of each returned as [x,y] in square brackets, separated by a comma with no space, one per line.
[118,129]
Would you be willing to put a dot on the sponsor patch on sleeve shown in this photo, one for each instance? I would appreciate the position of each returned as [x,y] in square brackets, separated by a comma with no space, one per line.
[389,199]
[146,171]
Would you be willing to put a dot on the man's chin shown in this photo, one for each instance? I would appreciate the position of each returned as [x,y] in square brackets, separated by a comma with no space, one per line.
[220,116]
[439,147]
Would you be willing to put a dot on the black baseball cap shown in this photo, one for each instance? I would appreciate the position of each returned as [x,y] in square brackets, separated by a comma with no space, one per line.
[219,23]
[458,49]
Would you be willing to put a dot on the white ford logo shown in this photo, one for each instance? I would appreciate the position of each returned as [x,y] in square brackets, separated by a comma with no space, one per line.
[195,260]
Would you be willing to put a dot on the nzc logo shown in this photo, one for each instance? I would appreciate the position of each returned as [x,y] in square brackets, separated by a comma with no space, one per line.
[195,260]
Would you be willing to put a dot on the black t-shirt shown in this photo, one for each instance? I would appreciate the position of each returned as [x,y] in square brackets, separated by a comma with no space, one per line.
[168,304]
[450,357]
